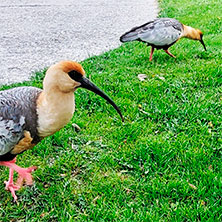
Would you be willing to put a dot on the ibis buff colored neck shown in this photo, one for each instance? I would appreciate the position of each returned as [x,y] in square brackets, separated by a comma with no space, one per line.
[54,111]
[56,104]
[191,33]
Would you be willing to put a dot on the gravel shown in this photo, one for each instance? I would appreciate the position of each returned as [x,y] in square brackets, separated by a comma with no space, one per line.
[37,33]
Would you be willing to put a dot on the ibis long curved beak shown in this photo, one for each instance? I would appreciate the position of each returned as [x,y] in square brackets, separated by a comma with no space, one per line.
[202,42]
[87,84]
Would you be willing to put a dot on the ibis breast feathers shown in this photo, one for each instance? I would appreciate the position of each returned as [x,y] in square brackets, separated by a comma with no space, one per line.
[159,32]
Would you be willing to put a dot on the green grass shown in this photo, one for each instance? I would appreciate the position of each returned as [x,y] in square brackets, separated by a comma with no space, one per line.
[163,163]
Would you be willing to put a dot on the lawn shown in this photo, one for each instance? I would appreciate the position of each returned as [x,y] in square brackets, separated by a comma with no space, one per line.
[163,163]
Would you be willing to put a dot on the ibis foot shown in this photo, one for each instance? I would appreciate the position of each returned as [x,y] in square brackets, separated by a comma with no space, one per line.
[24,176]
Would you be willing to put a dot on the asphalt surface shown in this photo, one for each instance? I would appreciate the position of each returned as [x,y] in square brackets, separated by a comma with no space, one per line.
[37,33]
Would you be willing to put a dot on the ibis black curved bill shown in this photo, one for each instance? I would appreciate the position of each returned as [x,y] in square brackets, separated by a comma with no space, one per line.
[202,42]
[87,84]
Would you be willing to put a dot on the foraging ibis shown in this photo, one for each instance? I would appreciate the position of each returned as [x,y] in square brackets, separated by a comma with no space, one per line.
[161,33]
[28,114]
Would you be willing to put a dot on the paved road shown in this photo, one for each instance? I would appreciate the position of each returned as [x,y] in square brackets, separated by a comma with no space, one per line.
[37,33]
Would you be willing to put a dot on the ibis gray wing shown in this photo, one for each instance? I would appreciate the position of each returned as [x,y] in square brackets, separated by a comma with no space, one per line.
[11,126]
[17,113]
[161,32]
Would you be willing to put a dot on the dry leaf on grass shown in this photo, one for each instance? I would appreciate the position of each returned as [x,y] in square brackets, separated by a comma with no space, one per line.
[193,186]
[142,77]
[160,77]
[210,124]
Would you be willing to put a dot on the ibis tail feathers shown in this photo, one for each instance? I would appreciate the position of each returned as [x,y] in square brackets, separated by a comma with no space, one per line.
[129,36]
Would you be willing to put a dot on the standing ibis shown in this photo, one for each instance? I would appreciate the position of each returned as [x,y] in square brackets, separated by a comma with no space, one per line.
[161,33]
[28,114]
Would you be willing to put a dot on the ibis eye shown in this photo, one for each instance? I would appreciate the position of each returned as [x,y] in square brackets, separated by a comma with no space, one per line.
[75,75]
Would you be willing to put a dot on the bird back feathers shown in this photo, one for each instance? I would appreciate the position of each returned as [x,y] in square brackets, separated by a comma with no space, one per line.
[158,32]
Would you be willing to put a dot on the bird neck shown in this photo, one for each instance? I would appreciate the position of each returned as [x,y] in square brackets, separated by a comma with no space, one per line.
[190,33]
[55,109]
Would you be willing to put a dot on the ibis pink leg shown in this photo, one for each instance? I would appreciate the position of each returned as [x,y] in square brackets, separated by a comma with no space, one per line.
[151,53]
[9,185]
[24,176]
[170,54]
